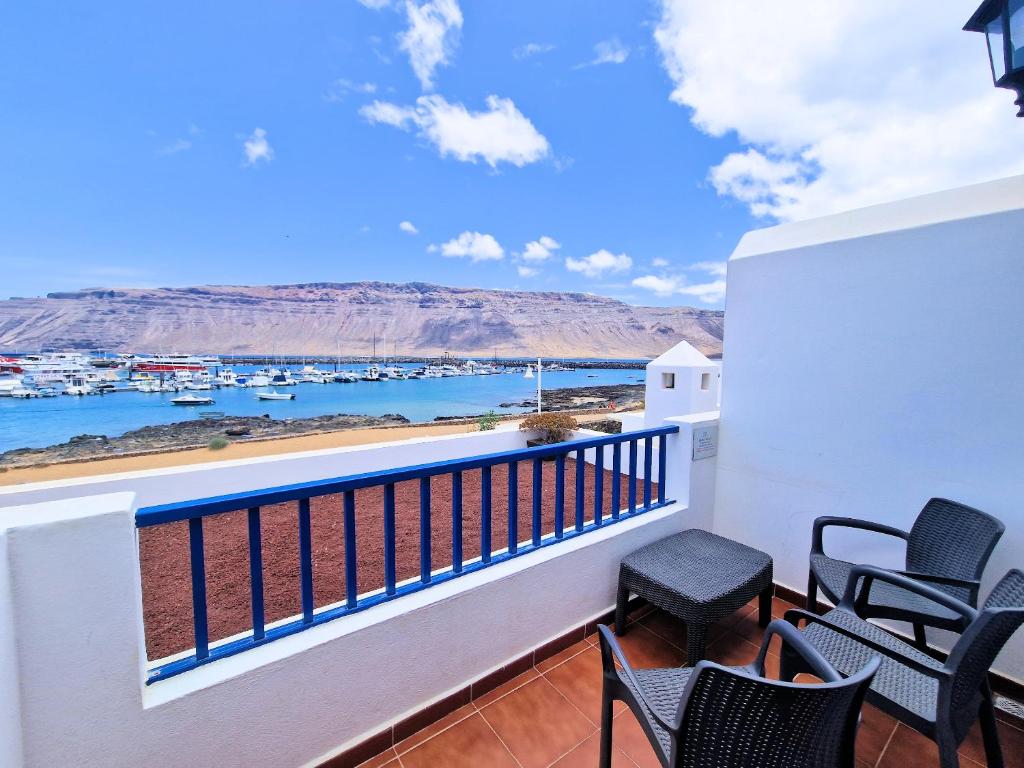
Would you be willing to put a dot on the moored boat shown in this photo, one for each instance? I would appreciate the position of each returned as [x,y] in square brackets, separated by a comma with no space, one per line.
[192,400]
[275,396]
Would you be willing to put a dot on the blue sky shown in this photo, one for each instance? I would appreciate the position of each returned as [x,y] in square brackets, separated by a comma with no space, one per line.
[278,142]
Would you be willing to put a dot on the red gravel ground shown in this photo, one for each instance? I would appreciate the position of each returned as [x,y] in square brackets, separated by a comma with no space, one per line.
[166,579]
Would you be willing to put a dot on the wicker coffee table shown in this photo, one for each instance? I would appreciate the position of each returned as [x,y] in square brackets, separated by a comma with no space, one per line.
[699,578]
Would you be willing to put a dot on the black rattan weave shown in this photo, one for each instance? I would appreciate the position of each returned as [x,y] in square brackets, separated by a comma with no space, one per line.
[947,547]
[940,699]
[735,717]
[698,577]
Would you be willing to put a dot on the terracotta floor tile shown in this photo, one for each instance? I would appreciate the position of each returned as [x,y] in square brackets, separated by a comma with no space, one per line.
[435,728]
[873,735]
[1011,740]
[587,755]
[732,650]
[468,744]
[628,736]
[563,656]
[506,688]
[909,749]
[645,650]
[580,680]
[537,723]
[748,628]
[386,758]
[780,606]
[666,626]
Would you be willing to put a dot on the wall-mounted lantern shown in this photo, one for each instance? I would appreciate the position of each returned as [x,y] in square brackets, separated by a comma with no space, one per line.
[1002,21]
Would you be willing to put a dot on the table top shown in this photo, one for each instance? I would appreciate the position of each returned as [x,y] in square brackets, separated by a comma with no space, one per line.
[698,564]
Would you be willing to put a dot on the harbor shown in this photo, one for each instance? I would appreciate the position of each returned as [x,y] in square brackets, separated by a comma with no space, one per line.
[47,400]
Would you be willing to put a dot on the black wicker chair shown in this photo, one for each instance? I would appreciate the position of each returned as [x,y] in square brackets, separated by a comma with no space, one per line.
[734,717]
[940,699]
[948,546]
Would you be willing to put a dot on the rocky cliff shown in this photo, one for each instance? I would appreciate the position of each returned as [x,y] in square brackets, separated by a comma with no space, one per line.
[321,318]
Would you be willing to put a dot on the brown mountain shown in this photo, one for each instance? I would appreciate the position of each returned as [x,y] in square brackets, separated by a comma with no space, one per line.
[320,318]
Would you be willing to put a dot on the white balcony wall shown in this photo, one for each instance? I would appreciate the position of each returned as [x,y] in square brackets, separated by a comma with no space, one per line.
[72,685]
[874,360]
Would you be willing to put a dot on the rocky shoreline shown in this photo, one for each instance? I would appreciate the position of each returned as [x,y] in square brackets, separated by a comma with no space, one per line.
[202,433]
[183,435]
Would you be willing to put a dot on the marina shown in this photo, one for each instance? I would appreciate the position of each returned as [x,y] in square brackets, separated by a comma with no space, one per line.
[53,398]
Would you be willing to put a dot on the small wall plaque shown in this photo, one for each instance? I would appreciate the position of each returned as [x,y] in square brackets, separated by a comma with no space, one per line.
[705,442]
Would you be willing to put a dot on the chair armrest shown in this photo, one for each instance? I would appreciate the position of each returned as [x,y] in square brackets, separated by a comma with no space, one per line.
[610,649]
[792,637]
[974,585]
[870,573]
[794,615]
[821,523]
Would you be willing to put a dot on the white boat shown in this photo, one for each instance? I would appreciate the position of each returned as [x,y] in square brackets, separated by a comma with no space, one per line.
[77,385]
[371,373]
[23,393]
[54,367]
[346,377]
[226,378]
[275,395]
[8,383]
[192,400]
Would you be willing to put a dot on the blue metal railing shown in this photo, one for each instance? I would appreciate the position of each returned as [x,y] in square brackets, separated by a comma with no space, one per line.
[194,511]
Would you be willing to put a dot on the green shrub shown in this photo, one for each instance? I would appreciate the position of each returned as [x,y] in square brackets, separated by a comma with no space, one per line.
[218,443]
[488,421]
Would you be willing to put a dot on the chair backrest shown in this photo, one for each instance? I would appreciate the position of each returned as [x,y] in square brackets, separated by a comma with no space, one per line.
[976,650]
[952,539]
[733,718]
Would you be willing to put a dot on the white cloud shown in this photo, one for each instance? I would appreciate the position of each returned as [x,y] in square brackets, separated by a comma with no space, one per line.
[409,227]
[176,146]
[540,249]
[597,264]
[501,133]
[375,5]
[659,262]
[475,246]
[608,52]
[838,106]
[710,292]
[431,37]
[257,148]
[532,49]
[525,271]
[341,87]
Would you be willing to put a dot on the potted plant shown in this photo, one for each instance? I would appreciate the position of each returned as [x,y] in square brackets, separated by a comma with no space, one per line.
[553,428]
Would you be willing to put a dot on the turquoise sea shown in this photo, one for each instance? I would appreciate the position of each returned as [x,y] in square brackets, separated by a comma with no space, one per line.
[39,422]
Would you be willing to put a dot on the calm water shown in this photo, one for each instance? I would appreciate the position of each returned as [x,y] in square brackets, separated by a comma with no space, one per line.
[39,422]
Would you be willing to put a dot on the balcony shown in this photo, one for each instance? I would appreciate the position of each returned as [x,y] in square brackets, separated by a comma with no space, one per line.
[433,601]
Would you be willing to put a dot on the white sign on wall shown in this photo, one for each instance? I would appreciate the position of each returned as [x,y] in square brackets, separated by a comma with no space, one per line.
[705,442]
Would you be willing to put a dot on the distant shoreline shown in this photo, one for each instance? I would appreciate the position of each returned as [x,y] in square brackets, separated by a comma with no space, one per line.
[197,434]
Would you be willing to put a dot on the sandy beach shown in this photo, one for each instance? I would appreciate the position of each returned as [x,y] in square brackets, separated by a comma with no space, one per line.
[238,450]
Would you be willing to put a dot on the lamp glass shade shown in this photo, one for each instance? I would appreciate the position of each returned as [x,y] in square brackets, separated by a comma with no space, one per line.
[1016,11]
[996,51]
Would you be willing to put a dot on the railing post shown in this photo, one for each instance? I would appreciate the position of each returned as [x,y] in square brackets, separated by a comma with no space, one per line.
[425,533]
[648,456]
[559,495]
[598,484]
[389,538]
[513,506]
[538,485]
[616,480]
[457,522]
[306,560]
[631,490]
[197,560]
[485,514]
[256,574]
[351,574]
[662,467]
[581,467]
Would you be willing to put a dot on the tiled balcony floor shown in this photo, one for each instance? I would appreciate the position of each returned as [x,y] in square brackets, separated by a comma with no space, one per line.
[550,714]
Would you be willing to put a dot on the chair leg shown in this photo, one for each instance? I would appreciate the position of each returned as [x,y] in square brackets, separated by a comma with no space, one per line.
[812,592]
[990,735]
[606,730]
[948,757]
[696,637]
[621,601]
[764,606]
